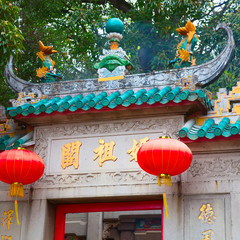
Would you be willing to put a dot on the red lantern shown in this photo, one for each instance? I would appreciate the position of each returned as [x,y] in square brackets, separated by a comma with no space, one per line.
[164,157]
[19,167]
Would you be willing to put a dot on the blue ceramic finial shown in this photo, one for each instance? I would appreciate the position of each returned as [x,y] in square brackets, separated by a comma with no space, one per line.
[114,25]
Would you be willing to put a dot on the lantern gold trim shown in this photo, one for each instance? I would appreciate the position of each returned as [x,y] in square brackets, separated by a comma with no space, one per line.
[164,179]
[16,190]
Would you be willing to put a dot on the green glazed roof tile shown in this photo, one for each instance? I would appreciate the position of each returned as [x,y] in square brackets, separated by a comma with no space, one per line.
[112,105]
[205,127]
[111,101]
[124,96]
[23,140]
[151,101]
[235,127]
[43,107]
[106,101]
[21,108]
[59,103]
[149,94]
[183,95]
[210,129]
[71,101]
[99,106]
[85,108]
[186,128]
[161,94]
[35,106]
[164,101]
[97,99]
[84,100]
[193,97]
[137,95]
[5,137]
[7,142]
[172,94]
[221,126]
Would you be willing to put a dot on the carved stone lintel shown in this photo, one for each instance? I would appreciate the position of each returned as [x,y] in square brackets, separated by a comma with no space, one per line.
[43,135]
[214,167]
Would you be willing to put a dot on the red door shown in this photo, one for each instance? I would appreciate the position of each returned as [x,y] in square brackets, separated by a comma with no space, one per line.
[153,222]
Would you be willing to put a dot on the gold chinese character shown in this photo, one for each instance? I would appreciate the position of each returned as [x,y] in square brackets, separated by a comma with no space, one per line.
[104,152]
[8,125]
[208,235]
[8,218]
[6,237]
[133,151]
[207,214]
[70,153]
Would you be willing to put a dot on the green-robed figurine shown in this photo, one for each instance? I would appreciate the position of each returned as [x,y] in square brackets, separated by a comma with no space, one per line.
[114,62]
[184,56]
[46,70]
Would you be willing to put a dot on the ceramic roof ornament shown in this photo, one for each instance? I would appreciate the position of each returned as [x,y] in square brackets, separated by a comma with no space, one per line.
[46,70]
[184,55]
[200,75]
[114,63]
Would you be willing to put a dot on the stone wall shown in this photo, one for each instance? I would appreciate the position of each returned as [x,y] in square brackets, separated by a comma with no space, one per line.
[213,179]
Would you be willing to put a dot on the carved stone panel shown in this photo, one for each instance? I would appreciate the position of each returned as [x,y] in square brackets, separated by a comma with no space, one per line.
[207,217]
[123,170]
[214,166]
[8,227]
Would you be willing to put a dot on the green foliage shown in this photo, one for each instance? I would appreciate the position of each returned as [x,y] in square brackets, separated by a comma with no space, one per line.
[76,30]
[10,36]
[11,42]
[231,75]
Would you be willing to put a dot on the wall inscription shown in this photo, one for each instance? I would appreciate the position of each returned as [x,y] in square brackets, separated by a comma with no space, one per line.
[76,154]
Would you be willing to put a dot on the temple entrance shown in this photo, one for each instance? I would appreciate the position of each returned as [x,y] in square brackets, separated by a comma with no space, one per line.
[116,221]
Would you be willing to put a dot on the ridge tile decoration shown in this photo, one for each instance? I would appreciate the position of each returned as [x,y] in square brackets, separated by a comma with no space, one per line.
[114,63]
[24,98]
[7,127]
[46,71]
[184,56]
[114,59]
[224,120]
[111,101]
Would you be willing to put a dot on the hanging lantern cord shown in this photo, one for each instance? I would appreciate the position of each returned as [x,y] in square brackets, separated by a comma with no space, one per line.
[165,204]
[16,191]
[165,179]
[16,211]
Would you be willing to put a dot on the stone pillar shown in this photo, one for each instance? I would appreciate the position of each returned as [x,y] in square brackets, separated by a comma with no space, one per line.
[173,226]
[235,213]
[95,226]
[39,221]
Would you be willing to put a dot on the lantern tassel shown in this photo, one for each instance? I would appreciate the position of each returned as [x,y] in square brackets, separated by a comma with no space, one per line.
[165,204]
[164,179]
[16,212]
[16,190]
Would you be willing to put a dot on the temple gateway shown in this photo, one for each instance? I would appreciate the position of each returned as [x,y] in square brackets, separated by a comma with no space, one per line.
[88,133]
